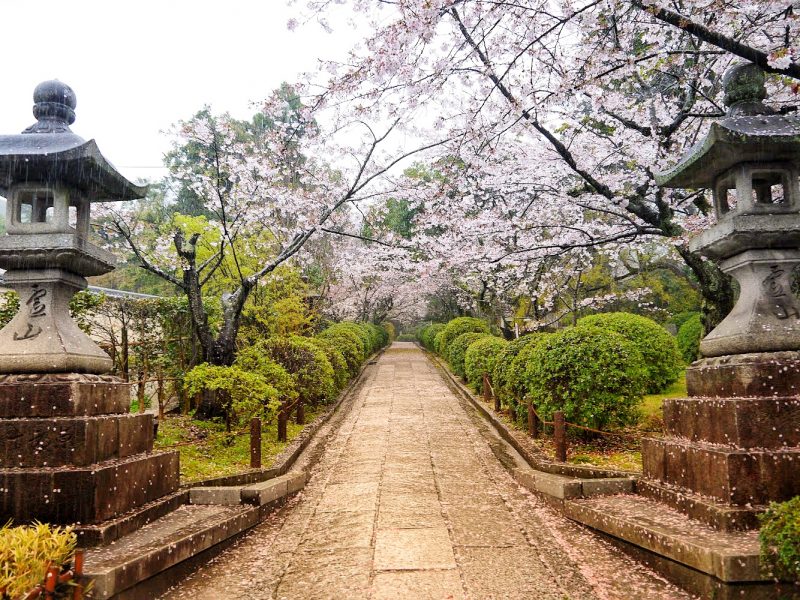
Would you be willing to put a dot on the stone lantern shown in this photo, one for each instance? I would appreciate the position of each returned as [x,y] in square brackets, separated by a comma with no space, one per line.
[50,177]
[734,445]
[69,450]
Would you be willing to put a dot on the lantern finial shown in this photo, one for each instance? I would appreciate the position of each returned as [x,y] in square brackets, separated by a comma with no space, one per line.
[54,107]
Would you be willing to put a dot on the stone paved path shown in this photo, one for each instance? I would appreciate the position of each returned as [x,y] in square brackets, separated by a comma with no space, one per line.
[409,502]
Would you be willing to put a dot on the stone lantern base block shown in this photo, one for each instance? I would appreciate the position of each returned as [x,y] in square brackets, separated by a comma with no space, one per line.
[734,446]
[71,453]
[62,395]
[723,474]
[87,494]
[73,441]
[755,375]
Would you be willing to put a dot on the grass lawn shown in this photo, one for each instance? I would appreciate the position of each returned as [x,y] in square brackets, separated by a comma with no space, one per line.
[207,451]
[651,404]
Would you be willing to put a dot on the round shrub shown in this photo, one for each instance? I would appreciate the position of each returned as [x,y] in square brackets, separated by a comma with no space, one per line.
[689,336]
[391,331]
[455,328]
[780,539]
[437,342]
[308,365]
[363,334]
[481,357]
[594,375]
[457,351]
[348,343]
[341,373]
[252,359]
[508,377]
[657,347]
[427,335]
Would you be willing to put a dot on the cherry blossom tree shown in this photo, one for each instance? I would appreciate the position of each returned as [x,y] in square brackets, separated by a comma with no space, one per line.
[264,194]
[558,114]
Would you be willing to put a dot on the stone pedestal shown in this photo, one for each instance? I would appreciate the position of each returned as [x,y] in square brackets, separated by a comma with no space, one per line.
[70,453]
[732,447]
[42,337]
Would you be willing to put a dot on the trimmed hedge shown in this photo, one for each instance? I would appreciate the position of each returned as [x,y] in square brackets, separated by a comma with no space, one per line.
[481,357]
[593,374]
[428,333]
[457,327]
[689,336]
[457,350]
[658,348]
[307,364]
[508,377]
[341,372]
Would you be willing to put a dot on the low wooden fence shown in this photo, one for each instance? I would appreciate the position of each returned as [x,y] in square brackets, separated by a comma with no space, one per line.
[537,423]
[57,576]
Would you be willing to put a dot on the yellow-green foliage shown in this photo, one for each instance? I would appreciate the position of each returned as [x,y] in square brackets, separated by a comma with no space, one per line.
[247,393]
[390,329]
[780,539]
[26,552]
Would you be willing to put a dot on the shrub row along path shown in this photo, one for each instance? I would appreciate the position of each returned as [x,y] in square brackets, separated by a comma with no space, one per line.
[409,501]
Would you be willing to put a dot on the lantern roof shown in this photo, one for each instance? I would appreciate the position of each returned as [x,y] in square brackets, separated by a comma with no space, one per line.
[751,132]
[49,152]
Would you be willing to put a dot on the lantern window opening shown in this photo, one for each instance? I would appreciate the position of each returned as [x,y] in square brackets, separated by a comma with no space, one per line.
[36,205]
[769,187]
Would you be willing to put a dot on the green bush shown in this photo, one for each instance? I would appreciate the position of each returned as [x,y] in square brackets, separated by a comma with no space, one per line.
[427,335]
[348,343]
[679,319]
[341,372]
[508,377]
[361,333]
[457,351]
[657,347]
[246,393]
[594,375]
[689,336]
[26,552]
[481,357]
[407,337]
[780,539]
[306,363]
[457,327]
[437,342]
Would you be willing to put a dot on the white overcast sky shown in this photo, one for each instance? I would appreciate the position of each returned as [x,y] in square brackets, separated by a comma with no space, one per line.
[138,66]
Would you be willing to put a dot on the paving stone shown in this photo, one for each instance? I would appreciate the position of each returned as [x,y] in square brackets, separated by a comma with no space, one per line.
[419,585]
[344,529]
[326,574]
[427,548]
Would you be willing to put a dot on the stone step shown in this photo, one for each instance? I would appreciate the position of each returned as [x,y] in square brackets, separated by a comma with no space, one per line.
[117,569]
[563,487]
[258,494]
[727,556]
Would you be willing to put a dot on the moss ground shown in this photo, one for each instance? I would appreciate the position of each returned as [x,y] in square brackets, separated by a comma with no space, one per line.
[208,451]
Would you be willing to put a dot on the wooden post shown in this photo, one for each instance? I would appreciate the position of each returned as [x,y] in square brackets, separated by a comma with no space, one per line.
[255,443]
[50,582]
[560,436]
[282,418]
[141,384]
[533,422]
[77,591]
[487,390]
[300,416]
